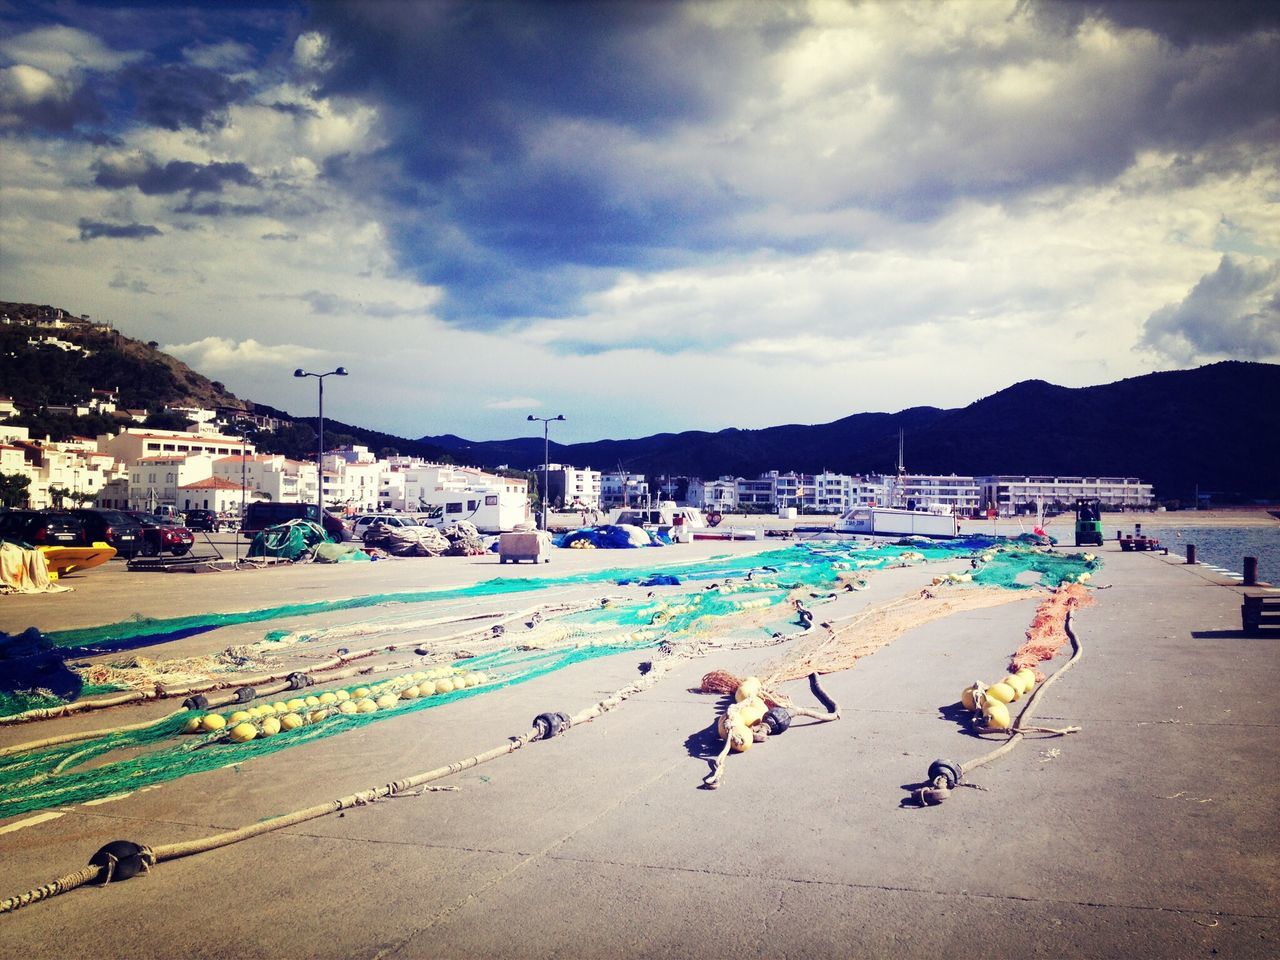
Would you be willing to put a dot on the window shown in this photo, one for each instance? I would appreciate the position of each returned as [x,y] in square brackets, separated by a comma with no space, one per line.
[453,508]
[472,505]
[491,501]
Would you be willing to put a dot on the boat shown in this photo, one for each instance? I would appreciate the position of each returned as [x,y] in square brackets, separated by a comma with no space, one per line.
[920,521]
[661,517]
[64,560]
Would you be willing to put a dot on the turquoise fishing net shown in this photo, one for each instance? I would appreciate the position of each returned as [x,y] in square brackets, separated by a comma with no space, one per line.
[713,595]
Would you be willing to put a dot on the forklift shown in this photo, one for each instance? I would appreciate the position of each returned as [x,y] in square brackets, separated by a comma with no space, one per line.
[1088,521]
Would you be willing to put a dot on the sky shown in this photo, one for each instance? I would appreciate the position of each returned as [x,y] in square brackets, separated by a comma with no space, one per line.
[647,216]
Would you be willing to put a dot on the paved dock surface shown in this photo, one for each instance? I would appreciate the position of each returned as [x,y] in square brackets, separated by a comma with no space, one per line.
[1151,833]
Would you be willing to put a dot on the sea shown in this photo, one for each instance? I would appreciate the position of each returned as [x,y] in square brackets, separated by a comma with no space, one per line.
[1224,547]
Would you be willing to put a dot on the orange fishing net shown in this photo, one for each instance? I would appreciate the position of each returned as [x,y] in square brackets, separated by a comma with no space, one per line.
[1048,631]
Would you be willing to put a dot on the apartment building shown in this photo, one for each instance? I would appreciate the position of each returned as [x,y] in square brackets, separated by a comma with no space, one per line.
[1009,495]
[961,494]
[623,490]
[571,488]
[131,445]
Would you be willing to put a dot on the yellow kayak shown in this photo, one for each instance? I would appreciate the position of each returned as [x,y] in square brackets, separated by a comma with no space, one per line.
[64,560]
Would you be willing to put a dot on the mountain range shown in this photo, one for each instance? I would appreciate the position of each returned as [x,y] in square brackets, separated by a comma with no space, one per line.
[1213,428]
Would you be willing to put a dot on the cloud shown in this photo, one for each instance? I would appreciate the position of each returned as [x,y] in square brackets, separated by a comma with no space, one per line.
[175,176]
[513,403]
[30,97]
[334,305]
[175,96]
[1232,312]
[665,133]
[122,282]
[63,51]
[96,229]
[311,52]
[225,55]
[223,354]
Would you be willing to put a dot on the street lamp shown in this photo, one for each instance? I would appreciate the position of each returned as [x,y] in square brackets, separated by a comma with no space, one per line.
[546,456]
[340,372]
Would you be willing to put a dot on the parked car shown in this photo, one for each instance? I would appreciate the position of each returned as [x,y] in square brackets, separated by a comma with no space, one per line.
[259,516]
[39,528]
[363,523]
[160,536]
[203,520]
[113,527]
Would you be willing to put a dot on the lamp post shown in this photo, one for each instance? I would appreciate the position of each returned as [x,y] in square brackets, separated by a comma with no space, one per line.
[546,456]
[340,372]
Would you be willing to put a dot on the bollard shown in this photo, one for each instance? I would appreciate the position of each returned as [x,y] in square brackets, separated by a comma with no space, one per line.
[1119,535]
[1191,553]
[1250,571]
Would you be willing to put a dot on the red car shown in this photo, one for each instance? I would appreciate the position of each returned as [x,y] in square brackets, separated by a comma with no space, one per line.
[161,536]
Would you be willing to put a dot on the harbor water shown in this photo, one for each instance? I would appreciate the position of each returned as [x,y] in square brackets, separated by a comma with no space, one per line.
[1224,547]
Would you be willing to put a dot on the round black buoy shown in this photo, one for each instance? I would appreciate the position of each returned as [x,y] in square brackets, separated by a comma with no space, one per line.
[949,772]
[123,859]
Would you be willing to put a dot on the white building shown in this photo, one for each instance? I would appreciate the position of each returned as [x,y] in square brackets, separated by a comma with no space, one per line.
[130,445]
[714,495]
[1009,495]
[71,472]
[269,476]
[155,481]
[352,481]
[570,488]
[623,490]
[213,493]
[962,494]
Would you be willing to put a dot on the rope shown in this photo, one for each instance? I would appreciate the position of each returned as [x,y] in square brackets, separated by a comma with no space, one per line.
[1021,726]
[174,851]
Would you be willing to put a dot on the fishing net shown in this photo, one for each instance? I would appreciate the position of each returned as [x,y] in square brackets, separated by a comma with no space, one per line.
[81,771]
[840,647]
[719,601]
[287,541]
[1048,631]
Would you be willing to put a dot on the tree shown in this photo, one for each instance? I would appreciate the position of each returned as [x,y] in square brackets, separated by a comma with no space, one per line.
[163,420]
[13,489]
[57,495]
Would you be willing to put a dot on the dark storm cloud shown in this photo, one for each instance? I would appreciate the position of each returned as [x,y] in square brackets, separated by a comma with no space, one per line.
[488,195]
[178,95]
[1232,312]
[176,176]
[96,229]
[59,112]
[1180,21]
[462,87]
[220,209]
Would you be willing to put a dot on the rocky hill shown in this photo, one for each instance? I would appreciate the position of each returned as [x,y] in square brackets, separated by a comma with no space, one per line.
[43,373]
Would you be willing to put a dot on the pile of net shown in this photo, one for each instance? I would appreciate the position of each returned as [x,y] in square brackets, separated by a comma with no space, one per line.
[1048,631]
[25,571]
[619,536]
[338,553]
[407,541]
[292,541]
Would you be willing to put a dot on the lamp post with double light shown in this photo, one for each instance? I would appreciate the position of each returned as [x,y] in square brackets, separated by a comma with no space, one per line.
[546,456]
[340,372]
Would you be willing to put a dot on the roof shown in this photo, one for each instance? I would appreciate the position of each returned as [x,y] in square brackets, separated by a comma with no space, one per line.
[252,458]
[212,483]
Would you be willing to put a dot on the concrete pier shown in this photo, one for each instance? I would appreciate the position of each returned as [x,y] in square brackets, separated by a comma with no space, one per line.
[1151,833]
